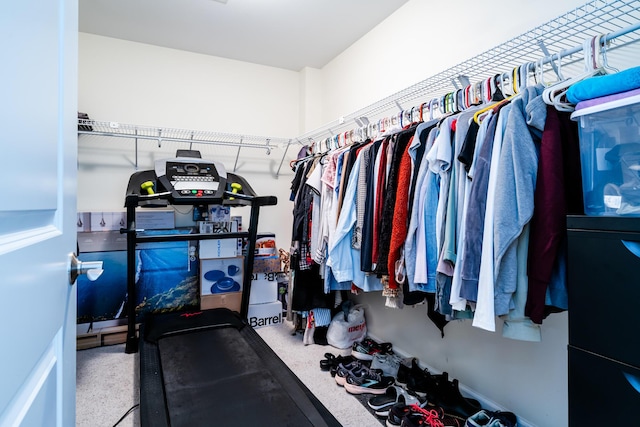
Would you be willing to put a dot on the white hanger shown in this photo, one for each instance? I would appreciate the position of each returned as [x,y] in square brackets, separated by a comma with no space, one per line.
[555,94]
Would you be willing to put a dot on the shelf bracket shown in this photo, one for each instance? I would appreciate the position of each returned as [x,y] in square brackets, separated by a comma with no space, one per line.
[136,148]
[464,81]
[235,165]
[283,156]
[544,50]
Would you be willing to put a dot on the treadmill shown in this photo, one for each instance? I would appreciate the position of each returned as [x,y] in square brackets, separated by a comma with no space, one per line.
[207,367]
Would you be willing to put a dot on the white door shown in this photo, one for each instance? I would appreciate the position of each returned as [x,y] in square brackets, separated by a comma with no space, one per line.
[38,150]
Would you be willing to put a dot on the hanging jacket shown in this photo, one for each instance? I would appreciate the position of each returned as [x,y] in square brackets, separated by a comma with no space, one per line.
[402,141]
[558,193]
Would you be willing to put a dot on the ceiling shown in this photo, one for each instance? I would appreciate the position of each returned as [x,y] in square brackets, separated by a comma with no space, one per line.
[289,34]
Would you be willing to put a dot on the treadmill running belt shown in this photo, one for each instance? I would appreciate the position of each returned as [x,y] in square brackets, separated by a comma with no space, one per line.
[224,375]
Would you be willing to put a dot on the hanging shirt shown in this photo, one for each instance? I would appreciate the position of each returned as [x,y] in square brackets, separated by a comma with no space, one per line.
[458,302]
[361,199]
[484,315]
[398,149]
[416,223]
[515,190]
[315,183]
[343,259]
[440,157]
[366,261]
[469,266]
[426,242]
[400,217]
[379,195]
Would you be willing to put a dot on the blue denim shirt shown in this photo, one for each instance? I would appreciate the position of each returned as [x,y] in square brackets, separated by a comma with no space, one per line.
[344,260]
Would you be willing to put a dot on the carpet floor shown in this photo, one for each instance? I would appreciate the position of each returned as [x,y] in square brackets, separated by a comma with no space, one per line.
[107,382]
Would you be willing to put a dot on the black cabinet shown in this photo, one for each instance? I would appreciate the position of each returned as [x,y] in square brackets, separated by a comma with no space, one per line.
[604,320]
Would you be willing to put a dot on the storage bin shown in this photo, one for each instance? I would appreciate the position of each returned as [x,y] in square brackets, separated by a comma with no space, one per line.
[609,129]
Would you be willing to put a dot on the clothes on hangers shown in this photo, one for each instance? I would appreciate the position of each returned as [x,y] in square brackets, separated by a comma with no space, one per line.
[558,193]
[449,208]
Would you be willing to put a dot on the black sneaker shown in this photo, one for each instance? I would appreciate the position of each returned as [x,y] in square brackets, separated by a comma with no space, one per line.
[400,411]
[424,383]
[367,381]
[344,369]
[396,413]
[448,396]
[430,417]
[404,371]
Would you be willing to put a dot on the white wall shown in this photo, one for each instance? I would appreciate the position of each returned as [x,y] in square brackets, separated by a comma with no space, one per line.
[419,40]
[140,84]
[146,85]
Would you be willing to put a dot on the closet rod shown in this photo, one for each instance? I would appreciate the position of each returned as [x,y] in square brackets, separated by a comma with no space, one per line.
[607,38]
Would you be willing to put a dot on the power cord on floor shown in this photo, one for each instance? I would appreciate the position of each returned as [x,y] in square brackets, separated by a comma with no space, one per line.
[127,413]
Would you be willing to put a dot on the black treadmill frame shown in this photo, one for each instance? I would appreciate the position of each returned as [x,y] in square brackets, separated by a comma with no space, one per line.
[134,200]
[154,407]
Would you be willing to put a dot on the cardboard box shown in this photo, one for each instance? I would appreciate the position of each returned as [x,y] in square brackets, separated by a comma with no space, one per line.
[221,275]
[230,300]
[218,248]
[266,264]
[263,291]
[261,315]
[266,246]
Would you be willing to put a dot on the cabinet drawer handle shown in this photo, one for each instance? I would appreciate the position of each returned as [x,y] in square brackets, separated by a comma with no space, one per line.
[633,380]
[633,247]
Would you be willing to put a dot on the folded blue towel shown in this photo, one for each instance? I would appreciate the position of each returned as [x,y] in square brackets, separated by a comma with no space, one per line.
[595,87]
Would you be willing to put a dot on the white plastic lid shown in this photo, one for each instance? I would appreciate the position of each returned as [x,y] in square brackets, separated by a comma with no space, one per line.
[605,103]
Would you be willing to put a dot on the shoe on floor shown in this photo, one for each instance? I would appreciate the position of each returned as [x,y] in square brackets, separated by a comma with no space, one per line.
[367,348]
[382,403]
[485,418]
[424,383]
[331,362]
[343,371]
[388,363]
[367,381]
[399,411]
[449,398]
[405,369]
[430,416]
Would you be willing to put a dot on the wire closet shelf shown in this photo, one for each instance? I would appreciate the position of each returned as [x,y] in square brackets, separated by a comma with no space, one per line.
[161,134]
[561,37]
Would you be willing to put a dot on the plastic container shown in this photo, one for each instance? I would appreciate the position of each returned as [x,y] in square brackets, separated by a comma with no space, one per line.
[609,129]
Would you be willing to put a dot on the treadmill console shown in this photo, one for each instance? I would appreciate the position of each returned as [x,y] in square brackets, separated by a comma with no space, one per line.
[191,178]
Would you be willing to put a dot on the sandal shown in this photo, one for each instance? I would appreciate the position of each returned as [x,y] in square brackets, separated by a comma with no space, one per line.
[393,395]
[331,362]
